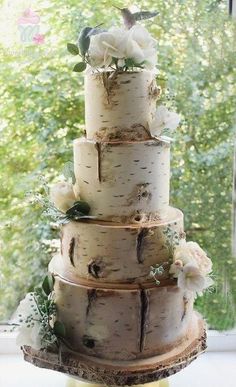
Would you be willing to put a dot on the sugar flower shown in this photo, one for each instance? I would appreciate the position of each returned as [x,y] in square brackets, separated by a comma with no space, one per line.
[164,119]
[191,266]
[190,278]
[141,47]
[120,44]
[106,46]
[63,196]
[200,257]
[27,316]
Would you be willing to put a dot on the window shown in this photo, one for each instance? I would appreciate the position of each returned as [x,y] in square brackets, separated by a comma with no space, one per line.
[42,112]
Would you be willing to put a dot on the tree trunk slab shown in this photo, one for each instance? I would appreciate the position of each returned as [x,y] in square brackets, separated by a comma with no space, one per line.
[121,373]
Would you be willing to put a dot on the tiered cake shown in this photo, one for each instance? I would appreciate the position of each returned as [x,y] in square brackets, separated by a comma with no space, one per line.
[124,283]
[111,307]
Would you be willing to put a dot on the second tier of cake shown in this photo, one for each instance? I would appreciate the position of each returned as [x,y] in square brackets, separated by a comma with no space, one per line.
[126,182]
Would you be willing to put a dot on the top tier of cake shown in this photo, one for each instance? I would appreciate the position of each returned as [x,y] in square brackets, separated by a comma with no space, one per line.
[120,106]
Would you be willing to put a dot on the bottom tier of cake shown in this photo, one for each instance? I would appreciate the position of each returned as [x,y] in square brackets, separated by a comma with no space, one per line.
[124,373]
[123,322]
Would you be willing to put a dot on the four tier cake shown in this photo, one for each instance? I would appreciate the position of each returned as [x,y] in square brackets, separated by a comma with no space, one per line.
[125,279]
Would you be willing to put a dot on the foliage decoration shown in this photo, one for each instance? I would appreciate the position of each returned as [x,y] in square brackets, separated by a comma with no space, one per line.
[157,271]
[36,318]
[75,210]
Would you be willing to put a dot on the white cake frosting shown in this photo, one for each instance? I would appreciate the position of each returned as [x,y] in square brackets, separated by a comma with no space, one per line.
[110,252]
[125,181]
[128,323]
[105,296]
[120,106]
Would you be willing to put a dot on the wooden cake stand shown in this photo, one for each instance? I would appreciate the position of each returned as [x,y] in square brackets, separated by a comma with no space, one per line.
[122,373]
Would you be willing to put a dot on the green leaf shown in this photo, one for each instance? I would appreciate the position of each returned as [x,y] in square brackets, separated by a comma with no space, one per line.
[79,67]
[129,62]
[73,49]
[80,208]
[59,329]
[68,171]
[48,283]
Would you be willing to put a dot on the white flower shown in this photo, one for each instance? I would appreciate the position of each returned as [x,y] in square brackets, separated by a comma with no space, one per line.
[191,252]
[175,268]
[63,196]
[191,266]
[182,252]
[201,259]
[121,44]
[28,317]
[164,119]
[141,47]
[106,46]
[190,278]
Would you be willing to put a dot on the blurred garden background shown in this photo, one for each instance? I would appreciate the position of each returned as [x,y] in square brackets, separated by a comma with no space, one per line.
[42,111]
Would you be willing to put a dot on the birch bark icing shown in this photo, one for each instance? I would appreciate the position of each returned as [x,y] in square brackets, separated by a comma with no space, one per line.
[125,181]
[120,107]
[109,252]
[123,323]
[109,303]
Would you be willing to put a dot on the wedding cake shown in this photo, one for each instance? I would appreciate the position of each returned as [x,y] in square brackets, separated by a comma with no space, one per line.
[125,280]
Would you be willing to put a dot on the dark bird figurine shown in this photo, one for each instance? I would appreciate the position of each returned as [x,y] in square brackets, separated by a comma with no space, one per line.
[84,38]
[131,18]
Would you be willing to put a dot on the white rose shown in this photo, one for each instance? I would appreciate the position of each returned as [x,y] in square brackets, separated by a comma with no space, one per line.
[191,252]
[141,46]
[164,119]
[63,196]
[28,318]
[190,278]
[199,256]
[176,268]
[191,266]
[107,45]
[182,252]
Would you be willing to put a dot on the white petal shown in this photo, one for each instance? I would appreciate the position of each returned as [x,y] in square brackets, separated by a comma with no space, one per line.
[63,196]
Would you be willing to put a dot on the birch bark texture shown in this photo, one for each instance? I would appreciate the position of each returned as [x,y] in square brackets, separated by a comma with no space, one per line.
[123,181]
[123,324]
[110,306]
[120,106]
[109,252]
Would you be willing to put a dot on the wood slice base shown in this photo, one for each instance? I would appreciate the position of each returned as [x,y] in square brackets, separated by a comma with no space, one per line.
[122,373]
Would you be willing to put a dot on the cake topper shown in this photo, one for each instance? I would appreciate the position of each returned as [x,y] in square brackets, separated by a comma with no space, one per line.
[118,48]
[130,18]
